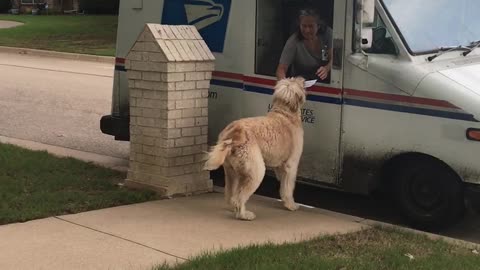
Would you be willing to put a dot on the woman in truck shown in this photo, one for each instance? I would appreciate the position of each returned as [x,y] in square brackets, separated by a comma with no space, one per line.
[308,51]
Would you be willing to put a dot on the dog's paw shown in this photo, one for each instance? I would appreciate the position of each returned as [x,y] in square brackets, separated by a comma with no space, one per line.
[230,206]
[247,215]
[291,206]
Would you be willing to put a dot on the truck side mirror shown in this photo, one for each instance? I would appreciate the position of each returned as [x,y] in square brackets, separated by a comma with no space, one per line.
[367,38]
[365,15]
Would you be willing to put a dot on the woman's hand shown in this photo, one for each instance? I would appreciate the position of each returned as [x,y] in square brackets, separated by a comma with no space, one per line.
[281,71]
[322,72]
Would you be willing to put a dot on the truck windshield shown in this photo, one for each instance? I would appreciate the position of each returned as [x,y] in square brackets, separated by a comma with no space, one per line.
[428,25]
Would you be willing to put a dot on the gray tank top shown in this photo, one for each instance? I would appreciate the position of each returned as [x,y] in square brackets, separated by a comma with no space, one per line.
[303,61]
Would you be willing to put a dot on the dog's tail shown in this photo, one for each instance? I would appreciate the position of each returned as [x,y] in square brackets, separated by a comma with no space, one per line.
[217,156]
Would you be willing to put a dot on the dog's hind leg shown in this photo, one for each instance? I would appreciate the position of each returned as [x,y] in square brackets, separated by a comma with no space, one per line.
[231,182]
[279,173]
[249,180]
[288,174]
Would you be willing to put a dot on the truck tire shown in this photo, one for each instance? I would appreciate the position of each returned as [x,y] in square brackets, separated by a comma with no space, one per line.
[428,193]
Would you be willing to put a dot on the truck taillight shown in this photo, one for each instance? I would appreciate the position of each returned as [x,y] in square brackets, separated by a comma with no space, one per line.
[473,134]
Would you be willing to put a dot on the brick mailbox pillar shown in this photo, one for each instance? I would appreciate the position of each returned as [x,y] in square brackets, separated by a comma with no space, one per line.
[169,70]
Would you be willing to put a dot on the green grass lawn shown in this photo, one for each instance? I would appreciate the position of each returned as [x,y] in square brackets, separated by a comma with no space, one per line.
[372,249]
[76,34]
[34,185]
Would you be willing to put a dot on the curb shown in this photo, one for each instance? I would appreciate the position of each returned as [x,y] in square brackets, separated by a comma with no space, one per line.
[113,163]
[373,223]
[449,240]
[62,55]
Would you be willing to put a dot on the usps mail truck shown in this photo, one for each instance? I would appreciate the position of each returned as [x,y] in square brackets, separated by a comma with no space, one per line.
[400,112]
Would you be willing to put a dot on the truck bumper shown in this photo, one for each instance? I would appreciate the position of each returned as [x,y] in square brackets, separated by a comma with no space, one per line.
[116,126]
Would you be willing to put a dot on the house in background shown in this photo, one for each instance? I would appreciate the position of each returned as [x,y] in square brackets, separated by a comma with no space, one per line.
[54,6]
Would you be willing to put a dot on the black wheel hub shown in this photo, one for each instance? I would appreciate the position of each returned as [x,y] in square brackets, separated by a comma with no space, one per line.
[425,193]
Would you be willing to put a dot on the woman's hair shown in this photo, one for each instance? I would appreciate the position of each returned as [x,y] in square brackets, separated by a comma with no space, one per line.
[308,12]
[311,13]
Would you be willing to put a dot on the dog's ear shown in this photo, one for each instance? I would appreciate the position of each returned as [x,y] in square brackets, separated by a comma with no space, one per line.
[300,80]
[301,97]
[300,92]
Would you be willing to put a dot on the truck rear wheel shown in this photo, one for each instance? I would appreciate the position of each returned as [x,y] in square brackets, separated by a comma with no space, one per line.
[428,192]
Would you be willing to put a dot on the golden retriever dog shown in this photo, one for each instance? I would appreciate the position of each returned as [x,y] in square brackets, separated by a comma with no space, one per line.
[247,146]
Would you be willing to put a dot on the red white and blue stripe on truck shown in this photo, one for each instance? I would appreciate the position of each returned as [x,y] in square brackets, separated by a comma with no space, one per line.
[120,64]
[352,97]
[360,98]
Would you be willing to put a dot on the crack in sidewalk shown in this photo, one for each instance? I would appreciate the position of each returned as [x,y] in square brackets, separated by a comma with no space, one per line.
[122,238]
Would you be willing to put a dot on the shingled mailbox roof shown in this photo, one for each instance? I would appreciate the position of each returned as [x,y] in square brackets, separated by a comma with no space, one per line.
[178,43]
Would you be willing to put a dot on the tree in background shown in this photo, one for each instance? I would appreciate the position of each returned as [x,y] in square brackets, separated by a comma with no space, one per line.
[87,6]
[15,4]
[5,6]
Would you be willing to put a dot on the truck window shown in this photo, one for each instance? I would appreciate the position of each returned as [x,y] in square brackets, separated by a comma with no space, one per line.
[277,20]
[427,25]
[382,42]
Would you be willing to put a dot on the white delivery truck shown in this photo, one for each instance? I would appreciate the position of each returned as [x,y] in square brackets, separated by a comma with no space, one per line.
[401,110]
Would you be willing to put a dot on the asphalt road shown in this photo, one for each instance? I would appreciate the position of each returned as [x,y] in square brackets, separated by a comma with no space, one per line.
[57,102]
[60,102]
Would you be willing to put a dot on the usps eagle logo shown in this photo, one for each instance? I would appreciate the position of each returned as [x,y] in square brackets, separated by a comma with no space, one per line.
[210,17]
[203,13]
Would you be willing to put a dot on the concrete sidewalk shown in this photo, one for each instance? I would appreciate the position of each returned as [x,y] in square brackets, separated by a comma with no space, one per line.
[143,235]
[55,54]
[9,24]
